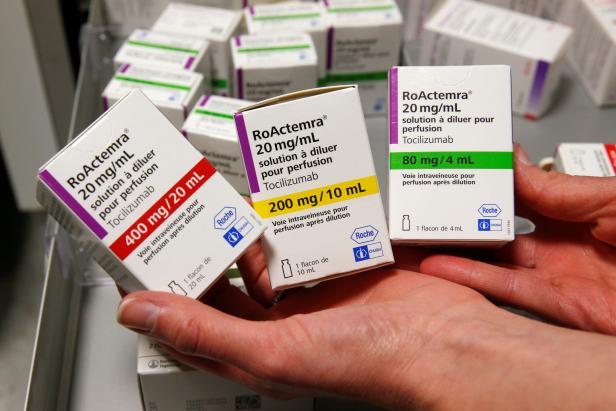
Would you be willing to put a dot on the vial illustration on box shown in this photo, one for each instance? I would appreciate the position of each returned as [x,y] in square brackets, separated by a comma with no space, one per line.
[406,223]
[286,269]
[176,288]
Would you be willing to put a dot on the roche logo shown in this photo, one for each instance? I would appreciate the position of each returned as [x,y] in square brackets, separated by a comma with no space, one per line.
[364,234]
[225,218]
[489,210]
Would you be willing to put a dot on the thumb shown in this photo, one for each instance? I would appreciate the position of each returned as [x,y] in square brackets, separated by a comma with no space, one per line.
[196,329]
[567,198]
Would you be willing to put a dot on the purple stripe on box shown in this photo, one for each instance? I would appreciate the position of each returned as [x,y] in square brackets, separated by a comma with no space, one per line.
[204,100]
[189,62]
[252,10]
[124,67]
[393,105]
[55,186]
[536,92]
[330,48]
[245,3]
[238,42]
[240,83]
[105,103]
[326,2]
[246,153]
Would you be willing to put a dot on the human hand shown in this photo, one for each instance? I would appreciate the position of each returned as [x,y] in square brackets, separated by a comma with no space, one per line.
[566,269]
[391,337]
[362,336]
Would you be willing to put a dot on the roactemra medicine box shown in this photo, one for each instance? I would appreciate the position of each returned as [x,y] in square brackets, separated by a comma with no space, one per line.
[148,207]
[271,64]
[173,92]
[416,12]
[593,49]
[167,51]
[210,128]
[450,155]
[586,159]
[213,24]
[312,178]
[462,32]
[290,16]
[364,40]
[143,13]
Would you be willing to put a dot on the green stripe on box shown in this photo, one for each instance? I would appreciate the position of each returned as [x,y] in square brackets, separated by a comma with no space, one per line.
[463,160]
[358,9]
[353,77]
[219,83]
[153,83]
[287,16]
[214,114]
[162,47]
[278,48]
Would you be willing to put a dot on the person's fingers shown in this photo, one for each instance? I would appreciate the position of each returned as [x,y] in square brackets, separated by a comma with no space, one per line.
[253,267]
[265,349]
[568,198]
[409,258]
[231,300]
[193,328]
[521,252]
[513,286]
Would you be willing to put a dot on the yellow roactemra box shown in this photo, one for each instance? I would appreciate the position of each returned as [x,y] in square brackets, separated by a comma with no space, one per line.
[312,178]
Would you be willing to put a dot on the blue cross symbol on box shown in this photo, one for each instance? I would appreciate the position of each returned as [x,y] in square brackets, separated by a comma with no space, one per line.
[361,253]
[483,224]
[233,236]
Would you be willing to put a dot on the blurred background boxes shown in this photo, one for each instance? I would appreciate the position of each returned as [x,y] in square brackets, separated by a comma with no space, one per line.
[45,49]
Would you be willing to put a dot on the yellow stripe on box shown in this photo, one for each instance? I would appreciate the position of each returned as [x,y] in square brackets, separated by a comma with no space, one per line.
[317,197]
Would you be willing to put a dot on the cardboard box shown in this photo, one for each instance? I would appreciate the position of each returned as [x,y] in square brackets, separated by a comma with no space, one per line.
[416,12]
[143,13]
[364,41]
[173,92]
[593,48]
[213,24]
[557,9]
[268,65]
[530,7]
[210,128]
[166,51]
[145,204]
[290,16]
[586,159]
[463,32]
[167,385]
[312,178]
[450,155]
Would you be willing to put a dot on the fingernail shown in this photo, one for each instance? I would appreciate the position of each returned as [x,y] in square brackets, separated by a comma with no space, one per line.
[138,314]
[522,156]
